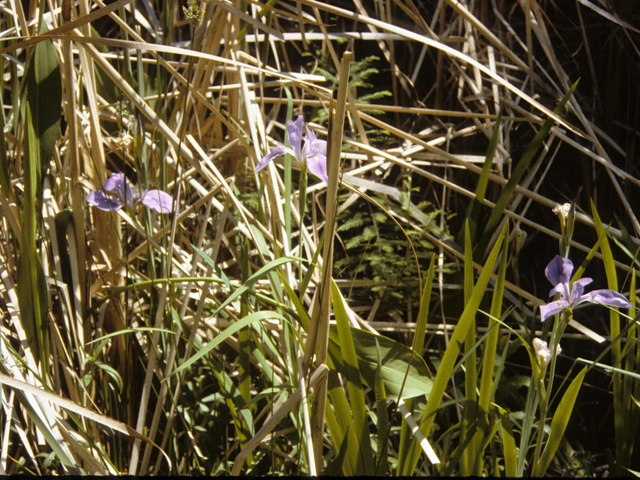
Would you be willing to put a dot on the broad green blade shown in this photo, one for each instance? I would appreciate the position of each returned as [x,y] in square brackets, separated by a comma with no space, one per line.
[423,314]
[382,456]
[32,288]
[491,345]
[509,450]
[418,345]
[340,421]
[395,361]
[620,415]
[559,423]
[43,92]
[448,361]
[354,385]
[468,427]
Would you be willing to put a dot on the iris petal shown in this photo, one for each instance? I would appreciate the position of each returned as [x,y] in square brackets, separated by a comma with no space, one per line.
[577,289]
[294,131]
[317,164]
[279,150]
[559,270]
[158,201]
[607,297]
[551,309]
[98,199]
[313,153]
[118,184]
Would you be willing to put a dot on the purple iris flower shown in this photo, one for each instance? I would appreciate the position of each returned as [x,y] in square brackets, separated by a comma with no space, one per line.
[559,273]
[118,189]
[313,154]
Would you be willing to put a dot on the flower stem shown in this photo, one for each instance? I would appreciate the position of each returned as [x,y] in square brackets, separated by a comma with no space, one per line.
[302,206]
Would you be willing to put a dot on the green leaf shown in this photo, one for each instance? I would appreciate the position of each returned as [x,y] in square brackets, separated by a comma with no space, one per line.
[418,345]
[26,392]
[559,423]
[491,345]
[637,474]
[475,208]
[517,174]
[251,281]
[468,458]
[395,360]
[620,415]
[351,372]
[423,314]
[382,459]
[112,372]
[46,432]
[43,93]
[508,445]
[63,219]
[448,361]
[32,288]
[340,421]
[230,330]
[334,468]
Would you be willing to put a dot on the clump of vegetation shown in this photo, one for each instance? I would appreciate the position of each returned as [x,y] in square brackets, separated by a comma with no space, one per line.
[180,252]
[361,74]
[376,248]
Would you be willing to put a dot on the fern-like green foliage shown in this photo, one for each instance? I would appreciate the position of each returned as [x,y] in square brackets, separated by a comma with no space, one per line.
[374,248]
[360,76]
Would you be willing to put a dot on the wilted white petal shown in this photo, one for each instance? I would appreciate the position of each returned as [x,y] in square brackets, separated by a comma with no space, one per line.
[542,351]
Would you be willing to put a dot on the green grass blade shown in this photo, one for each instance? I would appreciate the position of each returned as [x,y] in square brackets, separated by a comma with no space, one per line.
[335,467]
[354,384]
[397,360]
[621,417]
[43,92]
[475,208]
[43,428]
[244,344]
[382,456]
[246,286]
[508,444]
[491,345]
[559,424]
[423,314]
[634,389]
[303,316]
[32,289]
[448,361]
[487,379]
[468,427]
[418,345]
[517,174]
[236,327]
[340,421]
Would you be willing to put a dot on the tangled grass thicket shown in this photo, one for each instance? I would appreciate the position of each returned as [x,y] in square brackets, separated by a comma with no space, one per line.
[241,332]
